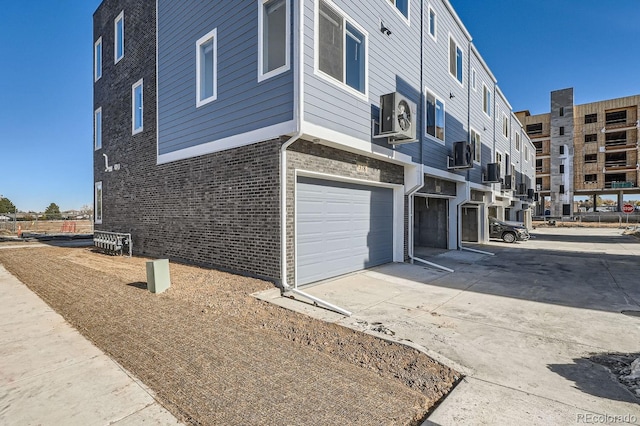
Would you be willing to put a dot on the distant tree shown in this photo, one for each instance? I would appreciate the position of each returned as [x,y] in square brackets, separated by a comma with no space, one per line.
[6,206]
[52,212]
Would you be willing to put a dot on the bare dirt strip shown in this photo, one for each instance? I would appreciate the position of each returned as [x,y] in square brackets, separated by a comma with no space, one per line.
[212,354]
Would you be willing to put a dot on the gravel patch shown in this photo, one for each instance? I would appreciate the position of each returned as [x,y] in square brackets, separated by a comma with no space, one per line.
[213,354]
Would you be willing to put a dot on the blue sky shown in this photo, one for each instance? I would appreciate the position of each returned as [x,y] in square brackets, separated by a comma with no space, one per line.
[46,111]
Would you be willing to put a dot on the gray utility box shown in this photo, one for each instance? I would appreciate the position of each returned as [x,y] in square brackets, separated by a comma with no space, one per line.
[158,279]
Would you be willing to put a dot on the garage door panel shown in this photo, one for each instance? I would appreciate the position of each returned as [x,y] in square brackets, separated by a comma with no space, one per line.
[341,228]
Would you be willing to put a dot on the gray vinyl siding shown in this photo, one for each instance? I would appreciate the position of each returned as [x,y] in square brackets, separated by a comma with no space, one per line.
[242,104]
[503,144]
[480,122]
[437,79]
[393,65]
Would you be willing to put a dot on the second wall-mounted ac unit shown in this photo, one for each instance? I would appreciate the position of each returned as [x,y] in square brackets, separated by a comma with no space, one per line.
[493,173]
[397,118]
[462,156]
[509,183]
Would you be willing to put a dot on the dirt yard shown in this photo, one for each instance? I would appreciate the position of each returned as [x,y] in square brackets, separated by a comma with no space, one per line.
[213,354]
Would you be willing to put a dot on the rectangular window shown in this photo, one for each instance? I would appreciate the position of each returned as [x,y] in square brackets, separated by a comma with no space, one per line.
[341,52]
[273,30]
[473,78]
[561,130]
[97,129]
[561,112]
[534,129]
[97,60]
[505,126]
[118,47]
[432,23]
[517,141]
[591,138]
[526,153]
[136,108]
[477,146]
[561,168]
[591,178]
[562,189]
[616,117]
[455,60]
[402,6]
[97,207]
[590,118]
[561,149]
[435,116]
[486,100]
[499,158]
[206,68]
[591,158]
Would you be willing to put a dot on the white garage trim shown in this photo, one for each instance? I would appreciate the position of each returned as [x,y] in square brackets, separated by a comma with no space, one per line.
[398,210]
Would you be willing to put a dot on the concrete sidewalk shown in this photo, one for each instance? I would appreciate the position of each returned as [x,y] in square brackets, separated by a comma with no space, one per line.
[521,325]
[52,375]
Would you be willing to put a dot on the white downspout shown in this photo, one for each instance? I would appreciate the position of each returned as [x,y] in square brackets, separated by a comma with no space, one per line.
[299,117]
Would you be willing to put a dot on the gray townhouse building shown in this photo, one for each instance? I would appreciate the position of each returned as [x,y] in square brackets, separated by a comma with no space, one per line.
[298,140]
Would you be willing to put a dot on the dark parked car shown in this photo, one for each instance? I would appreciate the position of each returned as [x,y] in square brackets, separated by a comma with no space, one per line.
[509,232]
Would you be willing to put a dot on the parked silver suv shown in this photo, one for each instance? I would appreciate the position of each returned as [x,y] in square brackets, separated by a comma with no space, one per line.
[509,232]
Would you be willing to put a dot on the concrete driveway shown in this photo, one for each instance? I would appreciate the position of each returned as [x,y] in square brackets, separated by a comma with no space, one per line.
[521,325]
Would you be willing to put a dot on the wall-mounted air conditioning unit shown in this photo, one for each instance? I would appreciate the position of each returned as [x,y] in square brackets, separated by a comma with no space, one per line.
[397,118]
[509,183]
[462,156]
[530,193]
[493,173]
[521,189]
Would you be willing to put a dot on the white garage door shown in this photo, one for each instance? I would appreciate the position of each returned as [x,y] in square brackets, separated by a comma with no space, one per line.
[341,228]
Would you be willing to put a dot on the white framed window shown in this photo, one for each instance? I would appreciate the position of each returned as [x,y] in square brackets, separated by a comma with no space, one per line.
[402,6]
[477,146]
[499,158]
[207,68]
[118,39]
[137,107]
[517,141]
[433,24]
[486,100]
[97,200]
[341,49]
[505,125]
[526,153]
[274,30]
[97,129]
[473,78]
[97,60]
[456,67]
[434,116]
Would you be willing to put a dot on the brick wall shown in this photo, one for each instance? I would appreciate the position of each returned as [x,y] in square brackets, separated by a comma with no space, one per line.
[219,210]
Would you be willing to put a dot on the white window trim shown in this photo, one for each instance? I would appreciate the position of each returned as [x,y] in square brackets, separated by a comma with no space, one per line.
[115,38]
[444,114]
[97,220]
[284,68]
[455,77]
[476,151]
[474,78]
[526,154]
[95,129]
[97,68]
[316,59]
[518,141]
[505,125]
[495,158]
[406,19]
[435,31]
[213,34]
[140,84]
[487,113]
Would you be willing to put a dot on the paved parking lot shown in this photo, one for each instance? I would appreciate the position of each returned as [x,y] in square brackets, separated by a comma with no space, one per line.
[521,324]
